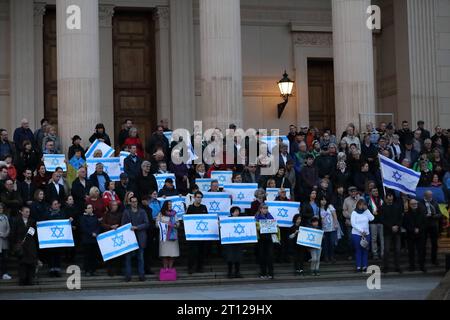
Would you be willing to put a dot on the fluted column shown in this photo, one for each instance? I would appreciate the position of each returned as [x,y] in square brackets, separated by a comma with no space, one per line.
[422,62]
[221,63]
[78,70]
[353,63]
[182,63]
[163,85]
[22,61]
[106,13]
[39,11]
[5,69]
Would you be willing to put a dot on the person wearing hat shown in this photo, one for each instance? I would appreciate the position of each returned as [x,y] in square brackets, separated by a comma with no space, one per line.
[168,189]
[360,219]
[76,146]
[100,134]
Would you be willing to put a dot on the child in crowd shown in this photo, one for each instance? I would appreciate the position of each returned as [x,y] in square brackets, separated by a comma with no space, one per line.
[299,251]
[329,227]
[315,253]
[265,244]
[233,252]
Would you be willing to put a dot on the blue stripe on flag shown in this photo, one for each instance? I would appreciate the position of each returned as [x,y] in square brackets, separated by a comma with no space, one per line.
[229,186]
[202,236]
[313,230]
[242,202]
[107,154]
[114,253]
[92,149]
[398,167]
[236,239]
[238,220]
[206,217]
[112,234]
[283,204]
[402,188]
[311,244]
[282,223]
[45,242]
[42,224]
[222,195]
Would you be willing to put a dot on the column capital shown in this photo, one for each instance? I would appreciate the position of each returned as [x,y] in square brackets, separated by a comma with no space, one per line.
[105,14]
[162,17]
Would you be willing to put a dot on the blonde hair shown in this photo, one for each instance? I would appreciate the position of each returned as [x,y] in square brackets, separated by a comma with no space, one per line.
[92,192]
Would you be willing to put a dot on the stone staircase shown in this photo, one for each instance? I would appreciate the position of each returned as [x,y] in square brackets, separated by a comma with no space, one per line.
[215,273]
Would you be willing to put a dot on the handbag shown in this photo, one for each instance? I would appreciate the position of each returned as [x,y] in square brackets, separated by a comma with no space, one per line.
[167,274]
[364,243]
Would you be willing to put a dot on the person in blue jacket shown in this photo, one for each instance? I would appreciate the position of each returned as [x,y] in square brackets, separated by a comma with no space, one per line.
[90,228]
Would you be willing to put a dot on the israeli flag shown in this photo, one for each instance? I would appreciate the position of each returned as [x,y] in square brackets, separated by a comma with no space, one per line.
[201,227]
[117,242]
[224,177]
[203,184]
[55,234]
[161,177]
[217,202]
[110,165]
[242,194]
[122,156]
[283,212]
[168,135]
[177,205]
[238,230]
[273,140]
[398,177]
[53,161]
[106,150]
[272,193]
[310,237]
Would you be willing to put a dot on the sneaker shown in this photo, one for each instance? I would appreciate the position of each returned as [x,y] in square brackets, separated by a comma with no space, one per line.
[299,272]
[262,277]
[270,277]
[6,277]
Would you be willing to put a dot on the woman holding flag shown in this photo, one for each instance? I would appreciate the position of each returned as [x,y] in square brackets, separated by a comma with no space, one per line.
[168,241]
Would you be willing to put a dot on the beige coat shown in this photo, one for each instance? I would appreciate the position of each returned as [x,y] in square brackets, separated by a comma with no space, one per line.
[4,232]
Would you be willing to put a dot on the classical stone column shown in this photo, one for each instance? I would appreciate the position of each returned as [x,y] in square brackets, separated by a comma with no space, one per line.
[106,13]
[163,85]
[182,63]
[22,61]
[78,68]
[422,62]
[221,63]
[39,11]
[353,63]
[5,70]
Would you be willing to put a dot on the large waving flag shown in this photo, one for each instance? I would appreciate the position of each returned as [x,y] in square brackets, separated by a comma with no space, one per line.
[272,193]
[201,227]
[122,156]
[55,234]
[238,230]
[242,194]
[217,202]
[177,205]
[203,184]
[272,141]
[53,161]
[398,177]
[110,165]
[106,150]
[224,177]
[161,177]
[117,242]
[283,211]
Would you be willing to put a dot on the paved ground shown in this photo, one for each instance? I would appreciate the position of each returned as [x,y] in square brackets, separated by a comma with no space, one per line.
[416,288]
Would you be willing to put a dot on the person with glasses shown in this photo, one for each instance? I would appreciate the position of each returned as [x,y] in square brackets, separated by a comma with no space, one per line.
[139,224]
[196,249]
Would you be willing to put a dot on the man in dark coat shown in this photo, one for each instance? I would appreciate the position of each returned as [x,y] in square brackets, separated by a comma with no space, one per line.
[22,134]
[55,190]
[80,189]
[415,224]
[392,220]
[99,178]
[132,165]
[433,217]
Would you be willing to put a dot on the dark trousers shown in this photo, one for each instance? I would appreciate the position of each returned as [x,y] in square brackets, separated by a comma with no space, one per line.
[265,251]
[328,243]
[27,273]
[392,241]
[3,262]
[114,266]
[90,257]
[299,255]
[283,248]
[54,258]
[416,243]
[432,233]
[196,254]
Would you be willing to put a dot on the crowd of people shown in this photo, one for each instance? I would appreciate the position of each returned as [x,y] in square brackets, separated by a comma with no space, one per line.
[336,178]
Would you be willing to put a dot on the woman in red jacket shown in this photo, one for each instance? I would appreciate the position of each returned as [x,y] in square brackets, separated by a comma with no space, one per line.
[110,195]
[133,139]
[97,203]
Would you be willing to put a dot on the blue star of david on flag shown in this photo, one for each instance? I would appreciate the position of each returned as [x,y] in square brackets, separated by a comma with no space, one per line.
[57,232]
[283,213]
[177,207]
[397,176]
[311,237]
[239,229]
[205,188]
[241,196]
[55,162]
[221,179]
[214,206]
[118,240]
[202,226]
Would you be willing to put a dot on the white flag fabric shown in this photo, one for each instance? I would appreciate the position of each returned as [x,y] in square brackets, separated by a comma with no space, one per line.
[217,202]
[273,140]
[238,230]
[268,226]
[53,161]
[203,184]
[224,177]
[117,242]
[161,177]
[106,150]
[123,155]
[201,227]
[110,165]
[283,212]
[272,193]
[177,205]
[242,194]
[398,177]
[310,237]
[55,234]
